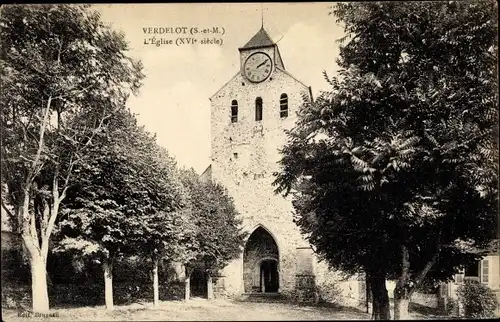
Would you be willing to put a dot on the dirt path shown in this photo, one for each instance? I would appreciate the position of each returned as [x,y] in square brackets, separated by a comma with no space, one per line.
[196,310]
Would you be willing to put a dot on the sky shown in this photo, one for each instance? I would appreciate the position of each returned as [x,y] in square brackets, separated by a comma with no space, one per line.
[174,101]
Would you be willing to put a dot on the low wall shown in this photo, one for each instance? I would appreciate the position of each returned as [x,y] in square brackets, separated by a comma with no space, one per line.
[350,293]
[428,300]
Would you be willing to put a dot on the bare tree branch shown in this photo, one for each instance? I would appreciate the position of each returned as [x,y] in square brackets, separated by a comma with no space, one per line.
[32,172]
[66,180]
[423,273]
[45,215]
[94,132]
[32,230]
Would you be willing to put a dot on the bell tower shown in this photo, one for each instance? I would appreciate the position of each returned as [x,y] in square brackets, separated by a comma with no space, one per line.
[249,116]
[261,42]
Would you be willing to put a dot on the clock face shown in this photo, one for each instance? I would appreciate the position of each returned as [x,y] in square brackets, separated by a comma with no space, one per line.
[257,67]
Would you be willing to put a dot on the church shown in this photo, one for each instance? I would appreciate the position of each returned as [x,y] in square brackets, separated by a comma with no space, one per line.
[249,116]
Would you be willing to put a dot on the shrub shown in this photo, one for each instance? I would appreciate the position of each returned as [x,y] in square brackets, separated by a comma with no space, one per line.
[15,268]
[451,307]
[16,296]
[291,295]
[76,294]
[329,292]
[478,300]
[429,287]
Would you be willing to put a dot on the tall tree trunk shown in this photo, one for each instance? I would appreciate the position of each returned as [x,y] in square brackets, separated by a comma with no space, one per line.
[156,293]
[380,298]
[27,225]
[369,297]
[29,235]
[187,285]
[39,290]
[210,289]
[402,290]
[108,283]
[36,242]
[401,305]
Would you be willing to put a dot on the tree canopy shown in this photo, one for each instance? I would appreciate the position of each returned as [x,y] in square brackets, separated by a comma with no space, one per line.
[218,233]
[126,180]
[396,165]
[63,74]
[126,200]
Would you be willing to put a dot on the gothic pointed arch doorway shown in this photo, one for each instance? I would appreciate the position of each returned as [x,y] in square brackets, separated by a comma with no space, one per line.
[261,263]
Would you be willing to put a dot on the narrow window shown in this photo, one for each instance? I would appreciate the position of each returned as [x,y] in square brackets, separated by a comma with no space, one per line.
[484,271]
[234,111]
[258,109]
[472,270]
[283,105]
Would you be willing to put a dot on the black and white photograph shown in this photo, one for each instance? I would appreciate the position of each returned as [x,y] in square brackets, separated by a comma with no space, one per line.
[250,161]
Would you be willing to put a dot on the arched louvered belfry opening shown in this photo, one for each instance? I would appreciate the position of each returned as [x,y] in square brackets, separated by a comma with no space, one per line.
[261,263]
[234,111]
[258,109]
[284,105]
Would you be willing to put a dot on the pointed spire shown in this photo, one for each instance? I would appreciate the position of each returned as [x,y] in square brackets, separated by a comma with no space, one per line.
[261,39]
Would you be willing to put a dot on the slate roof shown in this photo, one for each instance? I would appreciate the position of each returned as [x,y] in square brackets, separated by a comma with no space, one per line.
[261,39]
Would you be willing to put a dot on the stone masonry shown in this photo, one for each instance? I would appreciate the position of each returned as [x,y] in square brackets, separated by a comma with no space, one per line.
[244,157]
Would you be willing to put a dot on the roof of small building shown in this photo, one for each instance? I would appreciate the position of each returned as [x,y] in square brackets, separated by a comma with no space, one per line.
[260,39]
[207,174]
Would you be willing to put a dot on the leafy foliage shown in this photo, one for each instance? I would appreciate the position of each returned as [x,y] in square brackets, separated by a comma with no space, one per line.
[329,293]
[402,150]
[64,73]
[120,193]
[478,300]
[218,234]
[452,307]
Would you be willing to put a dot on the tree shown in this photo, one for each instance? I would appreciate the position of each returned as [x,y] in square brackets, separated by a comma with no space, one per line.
[400,158]
[219,236]
[168,237]
[113,194]
[63,73]
[167,231]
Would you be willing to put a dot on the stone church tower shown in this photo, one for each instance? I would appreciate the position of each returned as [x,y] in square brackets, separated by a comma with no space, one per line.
[249,116]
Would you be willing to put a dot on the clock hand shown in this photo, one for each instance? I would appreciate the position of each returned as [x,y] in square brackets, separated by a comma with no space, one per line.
[261,64]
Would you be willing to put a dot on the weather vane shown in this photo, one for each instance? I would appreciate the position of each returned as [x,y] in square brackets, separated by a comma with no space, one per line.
[262,15]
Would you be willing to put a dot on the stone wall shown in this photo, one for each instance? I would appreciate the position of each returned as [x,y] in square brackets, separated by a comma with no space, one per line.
[305,288]
[244,158]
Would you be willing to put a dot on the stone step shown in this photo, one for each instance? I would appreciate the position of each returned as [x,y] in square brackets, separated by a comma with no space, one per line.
[262,297]
[263,294]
